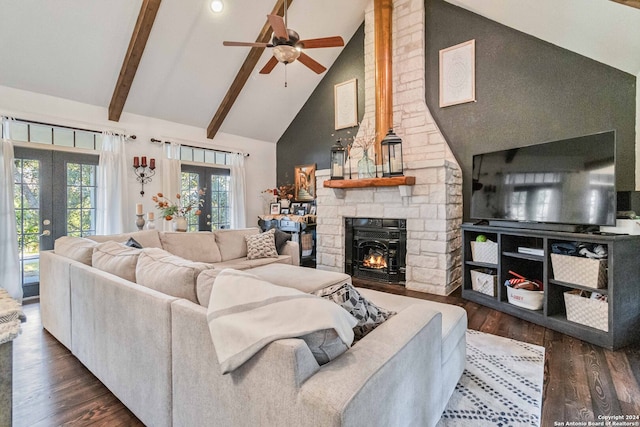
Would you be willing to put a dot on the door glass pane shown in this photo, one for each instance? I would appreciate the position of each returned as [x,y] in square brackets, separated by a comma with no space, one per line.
[189,197]
[219,202]
[27,206]
[81,199]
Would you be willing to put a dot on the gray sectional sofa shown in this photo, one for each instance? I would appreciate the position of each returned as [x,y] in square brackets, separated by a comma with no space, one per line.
[148,340]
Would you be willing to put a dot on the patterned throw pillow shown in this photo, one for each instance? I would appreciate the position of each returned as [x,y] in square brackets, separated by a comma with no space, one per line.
[261,245]
[368,314]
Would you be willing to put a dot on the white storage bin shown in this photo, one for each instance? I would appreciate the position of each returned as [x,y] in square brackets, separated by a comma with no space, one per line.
[484,281]
[587,311]
[580,271]
[531,300]
[484,252]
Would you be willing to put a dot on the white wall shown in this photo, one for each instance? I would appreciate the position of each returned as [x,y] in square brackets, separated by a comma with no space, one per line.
[260,165]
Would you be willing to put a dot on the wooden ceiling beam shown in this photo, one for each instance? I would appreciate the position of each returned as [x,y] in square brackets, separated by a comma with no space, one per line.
[244,73]
[138,42]
[632,3]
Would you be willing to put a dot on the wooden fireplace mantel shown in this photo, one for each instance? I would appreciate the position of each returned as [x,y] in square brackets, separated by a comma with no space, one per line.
[340,185]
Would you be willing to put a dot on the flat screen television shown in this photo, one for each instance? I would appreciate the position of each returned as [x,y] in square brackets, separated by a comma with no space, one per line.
[571,181]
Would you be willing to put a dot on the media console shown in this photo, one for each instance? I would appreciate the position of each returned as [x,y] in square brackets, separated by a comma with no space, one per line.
[622,291]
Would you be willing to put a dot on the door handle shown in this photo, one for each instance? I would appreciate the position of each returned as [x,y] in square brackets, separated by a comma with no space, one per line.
[45,233]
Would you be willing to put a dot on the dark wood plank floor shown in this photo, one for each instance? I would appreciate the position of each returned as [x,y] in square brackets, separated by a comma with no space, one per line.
[582,381]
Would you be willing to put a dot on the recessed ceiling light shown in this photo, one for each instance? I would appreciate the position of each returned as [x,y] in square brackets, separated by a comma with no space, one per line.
[217,6]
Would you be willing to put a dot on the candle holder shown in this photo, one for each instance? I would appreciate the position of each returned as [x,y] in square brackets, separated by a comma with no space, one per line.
[143,171]
[140,221]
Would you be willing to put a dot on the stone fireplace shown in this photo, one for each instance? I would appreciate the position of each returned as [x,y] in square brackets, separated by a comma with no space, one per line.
[431,210]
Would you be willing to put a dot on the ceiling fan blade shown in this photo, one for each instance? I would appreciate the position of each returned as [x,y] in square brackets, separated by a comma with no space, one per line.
[270,65]
[334,41]
[248,44]
[311,63]
[279,29]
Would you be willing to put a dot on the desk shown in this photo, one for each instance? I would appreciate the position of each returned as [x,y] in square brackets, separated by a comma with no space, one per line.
[302,233]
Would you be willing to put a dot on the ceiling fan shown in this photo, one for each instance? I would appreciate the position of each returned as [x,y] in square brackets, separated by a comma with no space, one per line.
[287,46]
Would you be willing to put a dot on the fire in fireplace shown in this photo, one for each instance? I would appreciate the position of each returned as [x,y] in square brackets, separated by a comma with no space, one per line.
[375,249]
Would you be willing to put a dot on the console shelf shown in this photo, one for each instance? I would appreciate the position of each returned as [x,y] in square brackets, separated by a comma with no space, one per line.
[622,291]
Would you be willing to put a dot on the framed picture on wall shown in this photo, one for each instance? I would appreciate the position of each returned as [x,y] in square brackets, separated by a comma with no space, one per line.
[346,104]
[305,183]
[294,207]
[458,74]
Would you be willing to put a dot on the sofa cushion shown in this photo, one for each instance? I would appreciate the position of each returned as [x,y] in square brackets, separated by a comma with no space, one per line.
[454,318]
[232,243]
[159,270]
[301,278]
[77,248]
[368,314]
[117,259]
[261,245]
[199,247]
[147,238]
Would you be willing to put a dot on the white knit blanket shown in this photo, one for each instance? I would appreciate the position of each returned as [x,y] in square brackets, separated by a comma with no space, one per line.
[10,312]
[246,313]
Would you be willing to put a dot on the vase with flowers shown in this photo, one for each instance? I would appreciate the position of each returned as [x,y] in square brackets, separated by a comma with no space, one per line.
[285,194]
[366,166]
[178,211]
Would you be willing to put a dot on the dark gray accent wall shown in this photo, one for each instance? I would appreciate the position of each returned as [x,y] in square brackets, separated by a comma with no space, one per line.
[528,91]
[309,137]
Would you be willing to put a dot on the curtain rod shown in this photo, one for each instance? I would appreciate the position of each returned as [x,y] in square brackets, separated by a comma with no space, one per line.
[69,127]
[158,141]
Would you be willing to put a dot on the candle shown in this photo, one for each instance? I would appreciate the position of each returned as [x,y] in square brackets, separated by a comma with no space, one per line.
[144,161]
[152,164]
[151,216]
[139,207]
[136,162]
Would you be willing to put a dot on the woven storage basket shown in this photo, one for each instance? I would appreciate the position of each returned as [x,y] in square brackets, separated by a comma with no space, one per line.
[531,300]
[580,271]
[587,311]
[484,252]
[483,281]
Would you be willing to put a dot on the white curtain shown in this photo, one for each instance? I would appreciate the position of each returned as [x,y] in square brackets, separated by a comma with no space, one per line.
[9,259]
[111,200]
[238,192]
[171,174]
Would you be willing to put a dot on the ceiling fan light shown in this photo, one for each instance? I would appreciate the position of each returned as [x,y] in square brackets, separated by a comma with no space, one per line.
[217,6]
[285,53]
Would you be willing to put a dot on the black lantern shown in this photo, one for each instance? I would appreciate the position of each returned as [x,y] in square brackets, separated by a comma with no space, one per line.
[338,157]
[391,154]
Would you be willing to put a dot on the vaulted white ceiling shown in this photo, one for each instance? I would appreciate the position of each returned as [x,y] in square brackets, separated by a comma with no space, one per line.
[74,49]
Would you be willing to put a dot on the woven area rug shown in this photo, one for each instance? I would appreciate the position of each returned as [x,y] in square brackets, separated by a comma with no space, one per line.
[501,384]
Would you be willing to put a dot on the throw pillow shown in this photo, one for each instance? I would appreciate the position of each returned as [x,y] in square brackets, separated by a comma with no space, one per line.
[325,345]
[133,243]
[261,245]
[368,314]
[281,239]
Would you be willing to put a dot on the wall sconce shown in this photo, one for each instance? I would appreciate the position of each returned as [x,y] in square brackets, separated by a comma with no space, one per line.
[143,171]
[391,155]
[338,157]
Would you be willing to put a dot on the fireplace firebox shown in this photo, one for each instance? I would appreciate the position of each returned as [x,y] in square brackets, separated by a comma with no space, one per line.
[375,249]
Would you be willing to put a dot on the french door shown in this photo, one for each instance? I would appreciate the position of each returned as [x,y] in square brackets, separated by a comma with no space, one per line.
[54,195]
[215,200]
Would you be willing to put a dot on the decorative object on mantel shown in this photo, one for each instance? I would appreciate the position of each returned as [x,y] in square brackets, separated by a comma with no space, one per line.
[366,165]
[338,159]
[177,211]
[391,147]
[143,171]
[305,183]
[458,74]
[151,221]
